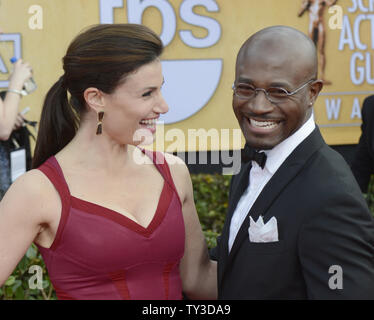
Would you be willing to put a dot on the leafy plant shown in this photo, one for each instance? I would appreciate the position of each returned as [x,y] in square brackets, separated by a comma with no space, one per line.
[18,287]
[370,194]
[211,200]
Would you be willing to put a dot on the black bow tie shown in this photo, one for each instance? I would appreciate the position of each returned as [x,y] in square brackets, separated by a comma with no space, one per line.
[249,154]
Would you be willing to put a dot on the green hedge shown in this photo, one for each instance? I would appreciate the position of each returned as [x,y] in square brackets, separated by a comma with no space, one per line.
[211,198]
[370,195]
[210,193]
[17,286]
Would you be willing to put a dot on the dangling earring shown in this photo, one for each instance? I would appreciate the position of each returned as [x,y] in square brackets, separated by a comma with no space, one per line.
[100,117]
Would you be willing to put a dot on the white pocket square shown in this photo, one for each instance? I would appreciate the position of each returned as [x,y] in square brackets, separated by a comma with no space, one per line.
[260,232]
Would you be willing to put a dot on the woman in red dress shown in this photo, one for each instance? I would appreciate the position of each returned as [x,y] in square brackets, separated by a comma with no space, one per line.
[111,220]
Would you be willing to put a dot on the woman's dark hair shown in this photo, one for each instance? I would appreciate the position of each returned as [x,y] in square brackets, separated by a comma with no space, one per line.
[99,57]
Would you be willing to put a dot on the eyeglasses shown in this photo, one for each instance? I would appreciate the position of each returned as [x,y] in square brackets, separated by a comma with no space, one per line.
[274,95]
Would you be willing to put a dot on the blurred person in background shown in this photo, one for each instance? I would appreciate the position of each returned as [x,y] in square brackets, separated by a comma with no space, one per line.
[10,118]
[363,162]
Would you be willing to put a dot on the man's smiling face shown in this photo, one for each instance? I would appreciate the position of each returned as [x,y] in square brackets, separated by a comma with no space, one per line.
[268,64]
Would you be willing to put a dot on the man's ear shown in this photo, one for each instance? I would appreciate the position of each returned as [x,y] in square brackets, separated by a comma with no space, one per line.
[94,99]
[315,89]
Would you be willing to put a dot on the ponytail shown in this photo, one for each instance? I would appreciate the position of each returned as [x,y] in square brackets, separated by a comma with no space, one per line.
[58,124]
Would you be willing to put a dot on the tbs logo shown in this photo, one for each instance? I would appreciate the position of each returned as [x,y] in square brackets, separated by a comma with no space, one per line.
[189,84]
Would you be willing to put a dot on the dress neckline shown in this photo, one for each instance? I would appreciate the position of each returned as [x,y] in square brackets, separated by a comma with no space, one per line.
[118,217]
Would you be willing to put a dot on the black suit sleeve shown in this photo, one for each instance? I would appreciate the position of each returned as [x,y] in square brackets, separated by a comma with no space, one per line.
[363,163]
[338,241]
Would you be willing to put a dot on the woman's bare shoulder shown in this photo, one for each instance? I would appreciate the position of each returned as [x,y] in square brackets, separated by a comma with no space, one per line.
[177,166]
[32,192]
[180,174]
[34,182]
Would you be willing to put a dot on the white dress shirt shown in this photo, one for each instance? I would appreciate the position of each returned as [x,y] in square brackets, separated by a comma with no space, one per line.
[258,177]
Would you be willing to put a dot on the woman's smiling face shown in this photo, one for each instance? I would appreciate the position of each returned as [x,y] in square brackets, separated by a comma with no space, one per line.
[132,110]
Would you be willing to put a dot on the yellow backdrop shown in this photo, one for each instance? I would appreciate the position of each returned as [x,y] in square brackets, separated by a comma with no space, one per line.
[349,56]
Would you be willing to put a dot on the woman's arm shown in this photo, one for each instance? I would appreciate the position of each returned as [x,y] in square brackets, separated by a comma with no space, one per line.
[22,215]
[198,272]
[9,108]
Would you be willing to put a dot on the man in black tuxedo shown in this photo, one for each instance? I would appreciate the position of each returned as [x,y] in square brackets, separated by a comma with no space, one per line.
[297,225]
[363,163]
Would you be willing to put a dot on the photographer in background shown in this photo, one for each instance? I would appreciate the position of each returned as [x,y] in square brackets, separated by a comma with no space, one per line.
[10,118]
[363,163]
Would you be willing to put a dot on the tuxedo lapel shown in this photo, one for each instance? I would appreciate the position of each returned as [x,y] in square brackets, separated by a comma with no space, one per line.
[286,172]
[238,188]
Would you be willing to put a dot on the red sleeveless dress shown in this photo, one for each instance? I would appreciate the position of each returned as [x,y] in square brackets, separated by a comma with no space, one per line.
[99,253]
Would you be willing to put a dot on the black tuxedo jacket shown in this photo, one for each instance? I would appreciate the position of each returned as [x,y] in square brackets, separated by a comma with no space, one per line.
[363,163]
[323,222]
